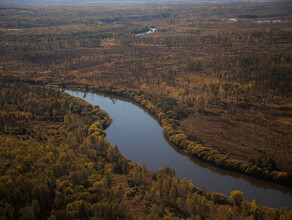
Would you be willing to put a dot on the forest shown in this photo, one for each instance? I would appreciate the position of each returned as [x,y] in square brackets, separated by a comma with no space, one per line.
[217,77]
[56,164]
[220,72]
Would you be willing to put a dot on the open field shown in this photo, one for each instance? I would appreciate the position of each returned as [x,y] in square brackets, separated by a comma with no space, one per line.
[225,67]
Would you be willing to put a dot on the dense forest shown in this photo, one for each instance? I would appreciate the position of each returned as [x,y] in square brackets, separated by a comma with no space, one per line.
[217,75]
[56,164]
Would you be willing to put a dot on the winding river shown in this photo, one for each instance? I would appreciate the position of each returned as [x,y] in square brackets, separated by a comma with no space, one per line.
[140,138]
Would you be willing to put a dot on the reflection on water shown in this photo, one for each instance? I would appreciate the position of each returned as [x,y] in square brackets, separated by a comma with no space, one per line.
[140,138]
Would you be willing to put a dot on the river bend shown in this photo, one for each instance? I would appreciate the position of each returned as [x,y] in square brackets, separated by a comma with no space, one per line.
[140,138]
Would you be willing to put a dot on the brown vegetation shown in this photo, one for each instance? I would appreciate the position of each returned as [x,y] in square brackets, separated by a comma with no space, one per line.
[64,169]
[224,84]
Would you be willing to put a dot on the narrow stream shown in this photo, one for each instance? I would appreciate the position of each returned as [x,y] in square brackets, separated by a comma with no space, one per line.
[140,138]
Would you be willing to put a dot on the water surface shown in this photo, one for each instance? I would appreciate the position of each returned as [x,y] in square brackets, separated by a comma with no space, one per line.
[140,138]
[151,31]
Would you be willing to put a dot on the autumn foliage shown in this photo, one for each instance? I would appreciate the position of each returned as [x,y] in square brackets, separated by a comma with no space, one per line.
[61,167]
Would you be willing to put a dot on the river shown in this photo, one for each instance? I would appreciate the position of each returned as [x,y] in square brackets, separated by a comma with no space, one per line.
[140,138]
[151,31]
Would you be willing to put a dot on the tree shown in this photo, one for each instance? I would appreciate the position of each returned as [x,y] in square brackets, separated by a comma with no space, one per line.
[236,197]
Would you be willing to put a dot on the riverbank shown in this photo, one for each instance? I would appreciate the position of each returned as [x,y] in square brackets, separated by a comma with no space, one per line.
[176,136]
[197,150]
[179,139]
[140,138]
[65,169]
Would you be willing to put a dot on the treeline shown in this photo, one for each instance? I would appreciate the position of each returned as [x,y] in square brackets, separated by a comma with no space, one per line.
[71,172]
